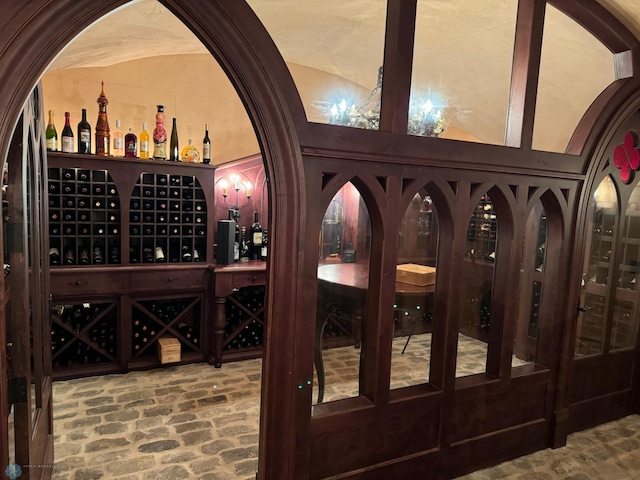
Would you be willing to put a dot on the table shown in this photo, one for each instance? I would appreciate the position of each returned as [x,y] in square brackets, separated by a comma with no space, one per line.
[342,290]
[226,279]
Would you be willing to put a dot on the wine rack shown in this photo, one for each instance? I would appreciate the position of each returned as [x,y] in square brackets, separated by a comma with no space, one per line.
[176,317]
[168,220]
[84,217]
[84,334]
[123,200]
[245,319]
[482,231]
[601,246]
[478,274]
[623,331]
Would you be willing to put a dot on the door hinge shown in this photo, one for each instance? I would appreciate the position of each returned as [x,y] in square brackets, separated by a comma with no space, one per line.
[17,390]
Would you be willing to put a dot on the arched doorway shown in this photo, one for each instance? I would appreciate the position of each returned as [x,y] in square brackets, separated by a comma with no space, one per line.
[269,106]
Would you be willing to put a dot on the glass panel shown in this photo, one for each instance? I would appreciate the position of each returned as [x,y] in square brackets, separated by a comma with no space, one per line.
[333,50]
[625,325]
[530,295]
[413,308]
[478,270]
[33,271]
[574,68]
[343,280]
[462,65]
[589,333]
[625,316]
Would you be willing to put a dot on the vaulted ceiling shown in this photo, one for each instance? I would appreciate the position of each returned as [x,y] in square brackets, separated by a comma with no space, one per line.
[463,53]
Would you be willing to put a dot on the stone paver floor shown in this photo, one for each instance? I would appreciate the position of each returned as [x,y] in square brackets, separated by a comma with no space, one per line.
[198,422]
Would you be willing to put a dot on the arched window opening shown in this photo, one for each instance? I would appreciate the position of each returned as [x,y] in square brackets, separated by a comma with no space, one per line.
[415,288]
[530,286]
[478,266]
[343,281]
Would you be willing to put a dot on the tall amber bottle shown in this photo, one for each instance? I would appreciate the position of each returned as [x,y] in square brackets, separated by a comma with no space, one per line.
[103,138]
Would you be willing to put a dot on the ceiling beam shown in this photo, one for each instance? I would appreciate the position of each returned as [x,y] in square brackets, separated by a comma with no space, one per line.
[398,64]
[525,72]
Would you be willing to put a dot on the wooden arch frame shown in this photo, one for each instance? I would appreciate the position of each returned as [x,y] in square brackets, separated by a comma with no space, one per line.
[267,91]
[257,70]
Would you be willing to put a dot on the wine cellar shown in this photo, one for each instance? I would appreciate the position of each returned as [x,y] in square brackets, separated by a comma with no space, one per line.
[449,238]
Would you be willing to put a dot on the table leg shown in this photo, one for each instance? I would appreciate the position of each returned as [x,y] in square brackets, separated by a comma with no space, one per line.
[219,322]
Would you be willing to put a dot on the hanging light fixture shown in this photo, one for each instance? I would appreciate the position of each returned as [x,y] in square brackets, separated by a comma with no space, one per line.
[424,118]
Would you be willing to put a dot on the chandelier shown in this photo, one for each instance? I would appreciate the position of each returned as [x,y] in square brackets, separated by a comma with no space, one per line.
[424,118]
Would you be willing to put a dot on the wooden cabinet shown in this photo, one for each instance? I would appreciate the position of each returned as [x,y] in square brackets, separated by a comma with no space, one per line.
[131,242]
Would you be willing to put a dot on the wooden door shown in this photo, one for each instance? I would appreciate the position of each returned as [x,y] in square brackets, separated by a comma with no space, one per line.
[603,368]
[27,312]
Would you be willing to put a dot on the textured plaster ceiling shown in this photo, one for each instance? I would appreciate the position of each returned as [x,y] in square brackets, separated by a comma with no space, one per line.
[463,51]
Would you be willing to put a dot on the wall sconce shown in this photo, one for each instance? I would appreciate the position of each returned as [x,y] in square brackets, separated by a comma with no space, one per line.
[236,184]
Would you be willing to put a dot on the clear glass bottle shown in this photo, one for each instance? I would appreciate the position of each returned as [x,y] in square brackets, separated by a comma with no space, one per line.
[51,134]
[144,142]
[67,134]
[118,141]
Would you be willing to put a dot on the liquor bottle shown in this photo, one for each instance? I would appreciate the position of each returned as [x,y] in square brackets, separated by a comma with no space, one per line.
[118,141]
[190,153]
[103,138]
[206,146]
[144,142]
[130,144]
[160,135]
[173,147]
[51,134]
[84,134]
[265,242]
[256,238]
[67,134]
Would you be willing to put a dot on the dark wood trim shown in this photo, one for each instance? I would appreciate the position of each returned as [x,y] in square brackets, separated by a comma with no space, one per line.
[602,24]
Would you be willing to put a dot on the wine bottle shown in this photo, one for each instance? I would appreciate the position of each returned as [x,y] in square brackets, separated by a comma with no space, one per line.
[130,144]
[103,138]
[147,254]
[256,238]
[67,134]
[206,146]
[97,255]
[160,135]
[84,134]
[118,141]
[70,257]
[244,248]
[265,242]
[51,134]
[173,146]
[186,254]
[144,142]
[160,258]
[54,256]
